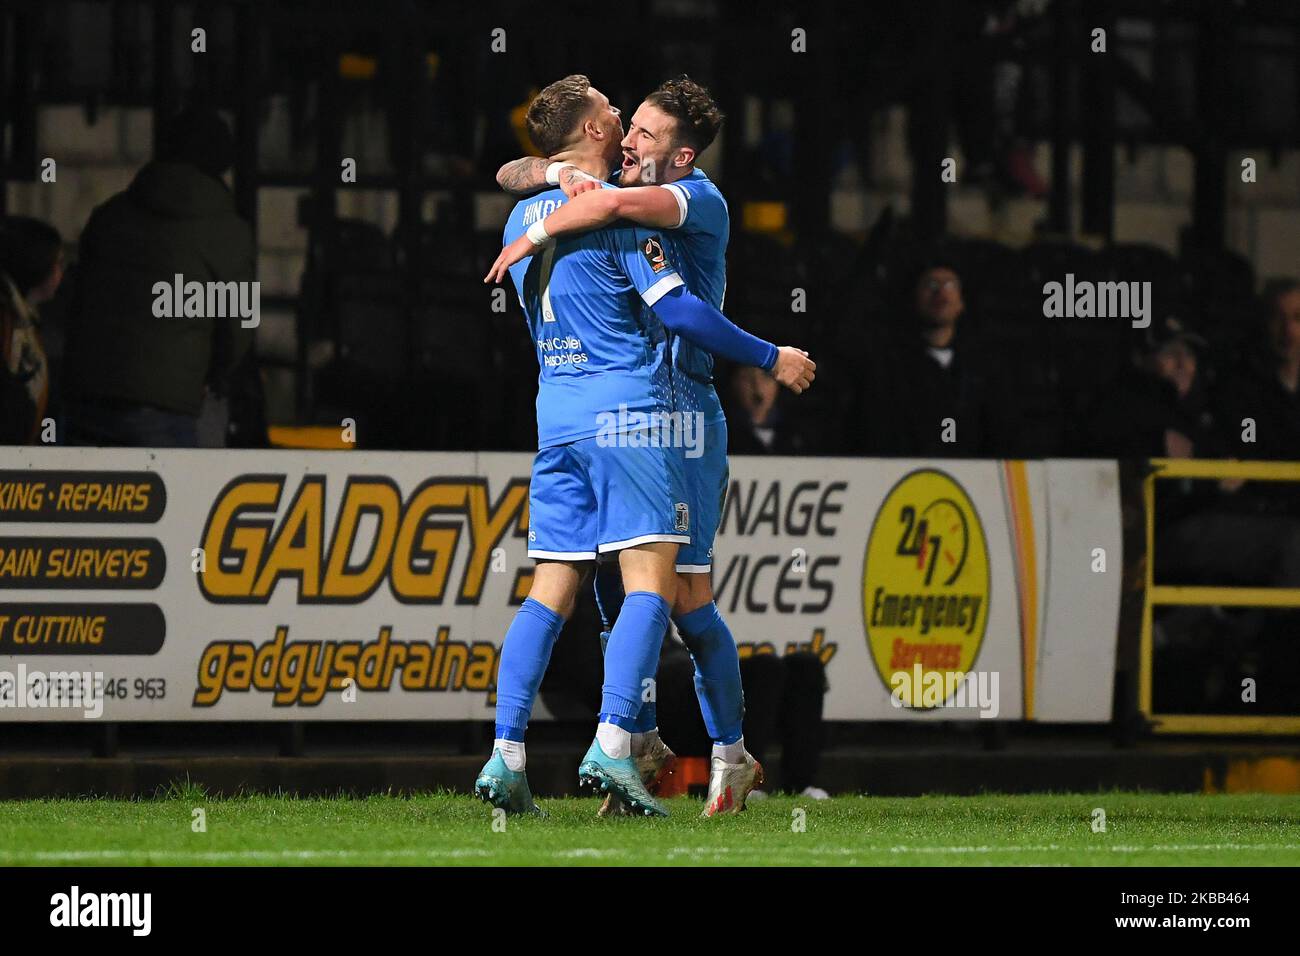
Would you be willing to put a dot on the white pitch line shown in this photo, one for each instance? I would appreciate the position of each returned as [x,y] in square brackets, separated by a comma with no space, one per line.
[1119,848]
[55,856]
[432,854]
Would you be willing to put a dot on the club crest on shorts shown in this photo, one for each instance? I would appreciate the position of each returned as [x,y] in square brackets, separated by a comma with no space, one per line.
[682,516]
[653,250]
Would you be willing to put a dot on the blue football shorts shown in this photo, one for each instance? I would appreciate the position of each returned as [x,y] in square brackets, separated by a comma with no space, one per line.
[600,495]
[706,487]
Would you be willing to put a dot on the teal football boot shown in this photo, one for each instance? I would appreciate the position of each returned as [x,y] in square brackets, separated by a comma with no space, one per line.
[504,788]
[602,774]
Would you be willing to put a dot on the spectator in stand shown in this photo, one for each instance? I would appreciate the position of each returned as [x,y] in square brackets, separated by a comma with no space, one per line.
[31,268]
[1206,530]
[1252,536]
[133,378]
[1160,407]
[1266,389]
[929,391]
[1228,532]
[757,423]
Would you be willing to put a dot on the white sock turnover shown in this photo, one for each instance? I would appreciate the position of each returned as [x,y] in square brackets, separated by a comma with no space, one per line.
[512,752]
[614,740]
[731,753]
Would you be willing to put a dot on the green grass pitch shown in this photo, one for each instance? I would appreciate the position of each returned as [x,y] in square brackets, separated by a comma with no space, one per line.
[451,829]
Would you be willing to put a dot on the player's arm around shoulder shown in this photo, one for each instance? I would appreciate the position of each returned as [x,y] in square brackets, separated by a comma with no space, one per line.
[591,209]
[597,207]
[656,206]
[702,207]
[528,174]
[523,176]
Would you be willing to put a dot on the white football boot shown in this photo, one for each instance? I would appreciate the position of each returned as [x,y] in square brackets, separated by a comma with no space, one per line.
[654,763]
[730,784]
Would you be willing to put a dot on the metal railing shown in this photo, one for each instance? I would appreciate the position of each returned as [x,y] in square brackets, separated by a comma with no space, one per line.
[1167,595]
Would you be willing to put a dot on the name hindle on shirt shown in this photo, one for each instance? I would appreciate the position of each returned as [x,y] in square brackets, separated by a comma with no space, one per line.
[568,345]
[540,210]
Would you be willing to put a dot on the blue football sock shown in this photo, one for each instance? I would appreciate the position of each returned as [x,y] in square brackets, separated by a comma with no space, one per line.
[608,586]
[524,656]
[717,672]
[632,657]
[647,719]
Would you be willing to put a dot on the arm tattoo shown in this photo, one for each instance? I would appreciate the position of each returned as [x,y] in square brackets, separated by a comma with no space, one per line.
[523,176]
[572,176]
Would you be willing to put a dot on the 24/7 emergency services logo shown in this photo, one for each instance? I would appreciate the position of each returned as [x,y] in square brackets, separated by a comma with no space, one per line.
[925,581]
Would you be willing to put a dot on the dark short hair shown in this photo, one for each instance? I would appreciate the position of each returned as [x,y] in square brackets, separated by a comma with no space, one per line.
[929,264]
[199,137]
[697,115]
[29,248]
[554,113]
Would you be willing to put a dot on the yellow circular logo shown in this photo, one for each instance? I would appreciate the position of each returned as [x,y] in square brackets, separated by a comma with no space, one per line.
[925,588]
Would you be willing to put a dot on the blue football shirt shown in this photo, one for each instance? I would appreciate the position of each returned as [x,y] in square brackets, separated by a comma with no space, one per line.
[698,247]
[599,350]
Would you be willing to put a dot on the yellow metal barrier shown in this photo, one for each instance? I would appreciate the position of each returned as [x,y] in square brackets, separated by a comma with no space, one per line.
[1166,468]
[328,437]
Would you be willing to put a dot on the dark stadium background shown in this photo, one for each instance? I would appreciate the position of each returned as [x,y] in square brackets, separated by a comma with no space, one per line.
[1123,166]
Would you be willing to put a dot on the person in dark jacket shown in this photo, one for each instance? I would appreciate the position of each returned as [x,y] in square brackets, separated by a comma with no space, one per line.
[1229,532]
[1160,407]
[928,390]
[31,268]
[1266,389]
[757,423]
[132,377]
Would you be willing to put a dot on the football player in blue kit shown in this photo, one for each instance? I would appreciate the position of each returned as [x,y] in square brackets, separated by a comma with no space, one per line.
[601,353]
[663,189]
